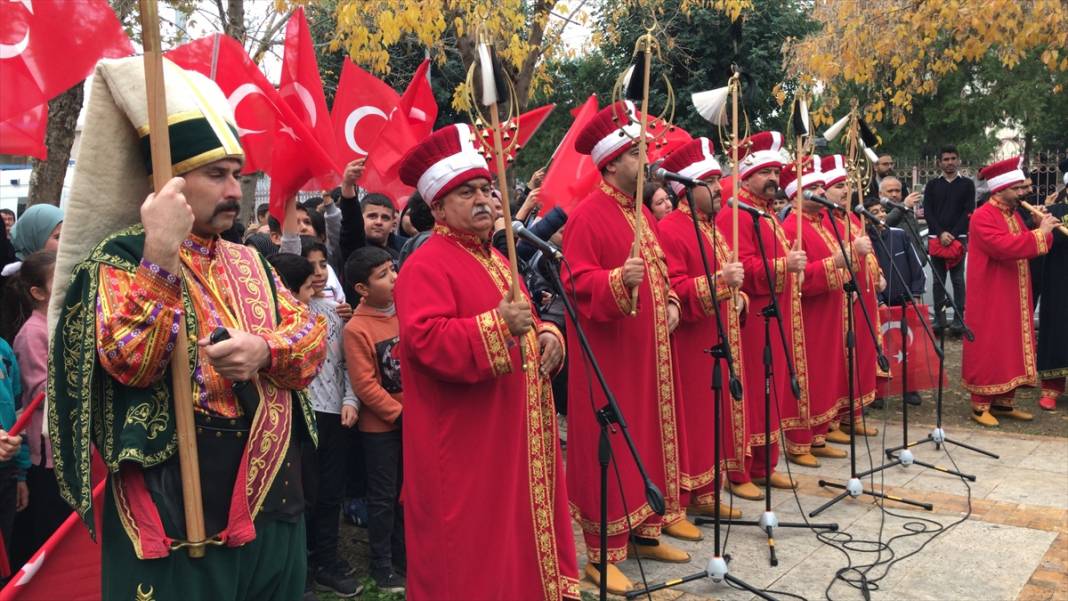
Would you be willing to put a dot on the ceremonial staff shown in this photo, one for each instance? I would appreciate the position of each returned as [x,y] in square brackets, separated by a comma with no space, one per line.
[633,85]
[160,148]
[799,120]
[492,80]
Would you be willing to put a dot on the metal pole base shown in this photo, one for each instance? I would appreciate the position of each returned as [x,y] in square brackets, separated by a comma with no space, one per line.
[854,489]
[768,522]
[938,437]
[905,458]
[716,570]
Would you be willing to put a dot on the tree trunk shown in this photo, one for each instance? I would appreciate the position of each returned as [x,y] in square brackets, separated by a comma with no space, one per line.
[235,20]
[46,180]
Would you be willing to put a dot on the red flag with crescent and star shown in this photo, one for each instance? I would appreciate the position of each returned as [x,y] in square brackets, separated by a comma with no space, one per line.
[362,106]
[47,46]
[922,358]
[301,88]
[409,124]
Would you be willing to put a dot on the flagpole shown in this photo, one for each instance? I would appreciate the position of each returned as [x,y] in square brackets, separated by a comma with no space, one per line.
[159,142]
[639,215]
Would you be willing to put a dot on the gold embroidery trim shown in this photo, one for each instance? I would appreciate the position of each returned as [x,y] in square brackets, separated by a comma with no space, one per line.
[495,336]
[620,292]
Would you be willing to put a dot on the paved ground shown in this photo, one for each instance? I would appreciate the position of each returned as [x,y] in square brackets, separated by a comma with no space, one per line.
[1014,545]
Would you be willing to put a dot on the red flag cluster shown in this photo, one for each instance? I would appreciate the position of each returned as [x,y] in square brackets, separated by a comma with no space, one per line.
[46,47]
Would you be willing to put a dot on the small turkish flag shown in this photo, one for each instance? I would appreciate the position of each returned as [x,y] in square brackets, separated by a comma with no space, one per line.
[24,135]
[571,174]
[362,107]
[922,358]
[47,46]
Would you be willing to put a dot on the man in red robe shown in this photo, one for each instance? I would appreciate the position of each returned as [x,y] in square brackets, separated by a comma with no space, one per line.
[870,282]
[697,330]
[821,306]
[1002,356]
[485,507]
[633,346]
[759,171]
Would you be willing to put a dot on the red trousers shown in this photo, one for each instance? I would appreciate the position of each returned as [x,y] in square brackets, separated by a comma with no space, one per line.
[1053,387]
[754,464]
[617,541]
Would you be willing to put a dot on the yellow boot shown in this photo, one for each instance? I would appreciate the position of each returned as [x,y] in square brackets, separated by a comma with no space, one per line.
[837,437]
[778,481]
[985,419]
[746,490]
[803,459]
[828,452]
[659,551]
[1011,413]
[618,584]
[683,530]
[708,511]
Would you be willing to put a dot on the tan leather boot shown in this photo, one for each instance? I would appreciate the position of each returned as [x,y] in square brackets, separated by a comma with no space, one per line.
[618,584]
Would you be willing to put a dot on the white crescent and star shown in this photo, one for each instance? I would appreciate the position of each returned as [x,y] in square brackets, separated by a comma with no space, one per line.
[242,92]
[12,50]
[353,120]
[305,98]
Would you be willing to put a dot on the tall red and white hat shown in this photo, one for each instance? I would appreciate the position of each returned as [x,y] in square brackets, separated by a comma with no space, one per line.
[810,175]
[443,161]
[1002,174]
[610,133]
[763,149]
[834,169]
[694,159]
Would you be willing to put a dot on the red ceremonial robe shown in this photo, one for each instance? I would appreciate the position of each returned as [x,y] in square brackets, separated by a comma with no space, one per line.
[635,353]
[866,365]
[485,506]
[1002,356]
[822,304]
[694,336]
[760,288]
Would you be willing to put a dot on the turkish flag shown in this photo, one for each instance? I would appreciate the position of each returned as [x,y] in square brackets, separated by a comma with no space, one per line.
[253,99]
[362,107]
[571,174]
[526,125]
[409,124]
[24,134]
[47,46]
[275,138]
[302,88]
[67,566]
[922,358]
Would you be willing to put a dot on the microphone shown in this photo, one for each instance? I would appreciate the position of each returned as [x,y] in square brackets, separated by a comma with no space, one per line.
[886,202]
[755,212]
[671,176]
[809,195]
[548,249]
[860,210]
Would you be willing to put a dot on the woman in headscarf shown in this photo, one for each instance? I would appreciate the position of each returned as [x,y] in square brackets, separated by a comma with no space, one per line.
[38,229]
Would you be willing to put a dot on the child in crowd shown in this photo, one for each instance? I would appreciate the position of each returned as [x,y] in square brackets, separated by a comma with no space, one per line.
[14,452]
[46,509]
[336,408]
[370,352]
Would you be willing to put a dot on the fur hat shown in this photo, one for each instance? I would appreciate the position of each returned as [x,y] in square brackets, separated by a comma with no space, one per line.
[834,170]
[1003,174]
[696,159]
[810,175]
[763,149]
[610,133]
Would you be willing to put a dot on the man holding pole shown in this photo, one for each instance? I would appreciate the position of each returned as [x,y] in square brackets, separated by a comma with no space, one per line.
[132,292]
[634,346]
[758,169]
[486,508]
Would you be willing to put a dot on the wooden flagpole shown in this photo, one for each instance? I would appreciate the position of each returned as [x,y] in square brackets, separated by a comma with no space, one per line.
[181,380]
[643,160]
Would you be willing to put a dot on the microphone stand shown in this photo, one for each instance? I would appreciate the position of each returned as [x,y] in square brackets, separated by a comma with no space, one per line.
[717,566]
[854,488]
[904,456]
[768,520]
[606,416]
[938,434]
